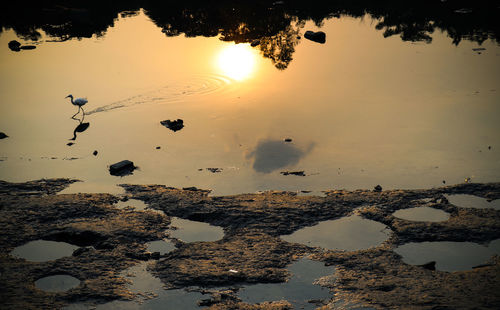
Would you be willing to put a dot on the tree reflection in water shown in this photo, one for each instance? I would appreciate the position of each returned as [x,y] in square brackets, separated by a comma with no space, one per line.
[276,24]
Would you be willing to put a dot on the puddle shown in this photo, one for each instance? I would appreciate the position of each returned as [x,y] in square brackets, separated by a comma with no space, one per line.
[57,283]
[192,231]
[495,246]
[148,285]
[449,256]
[422,214]
[471,201]
[299,289]
[162,246]
[43,250]
[349,233]
[137,204]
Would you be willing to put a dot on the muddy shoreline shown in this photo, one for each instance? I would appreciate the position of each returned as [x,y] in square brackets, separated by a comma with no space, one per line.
[113,240]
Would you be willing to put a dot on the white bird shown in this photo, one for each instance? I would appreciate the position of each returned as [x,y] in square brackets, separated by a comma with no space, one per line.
[78,102]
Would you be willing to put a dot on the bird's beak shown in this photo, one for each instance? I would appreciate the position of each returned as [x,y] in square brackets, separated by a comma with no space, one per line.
[66,97]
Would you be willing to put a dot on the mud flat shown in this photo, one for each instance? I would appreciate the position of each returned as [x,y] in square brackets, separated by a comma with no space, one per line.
[112,240]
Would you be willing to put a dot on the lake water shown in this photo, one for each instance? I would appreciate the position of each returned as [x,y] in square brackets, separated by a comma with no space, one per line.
[354,112]
[43,250]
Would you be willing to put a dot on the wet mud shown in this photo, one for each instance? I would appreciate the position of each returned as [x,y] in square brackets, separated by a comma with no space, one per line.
[112,240]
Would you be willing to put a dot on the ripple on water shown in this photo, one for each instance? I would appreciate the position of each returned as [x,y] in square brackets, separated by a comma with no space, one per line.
[298,290]
[349,233]
[422,214]
[43,250]
[449,256]
[173,92]
[471,201]
[192,231]
[57,283]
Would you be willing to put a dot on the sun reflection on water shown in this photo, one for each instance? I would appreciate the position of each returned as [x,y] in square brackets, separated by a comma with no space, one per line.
[237,61]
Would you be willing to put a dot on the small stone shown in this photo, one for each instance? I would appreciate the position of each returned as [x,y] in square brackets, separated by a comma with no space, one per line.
[95,153]
[122,168]
[377,188]
[15,46]
[158,147]
[288,140]
[173,125]
[444,181]
[319,37]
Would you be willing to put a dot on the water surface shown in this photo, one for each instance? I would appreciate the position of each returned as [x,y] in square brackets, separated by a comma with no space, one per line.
[43,250]
[348,233]
[360,110]
[471,201]
[57,283]
[298,290]
[449,256]
[192,231]
[422,214]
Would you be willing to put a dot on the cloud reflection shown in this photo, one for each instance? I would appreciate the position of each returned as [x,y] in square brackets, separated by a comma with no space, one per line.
[270,155]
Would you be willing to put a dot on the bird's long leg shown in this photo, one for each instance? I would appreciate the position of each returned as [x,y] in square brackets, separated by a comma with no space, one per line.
[83,116]
[73,117]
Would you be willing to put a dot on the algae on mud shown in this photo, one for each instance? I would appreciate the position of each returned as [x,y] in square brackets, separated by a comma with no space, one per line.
[114,239]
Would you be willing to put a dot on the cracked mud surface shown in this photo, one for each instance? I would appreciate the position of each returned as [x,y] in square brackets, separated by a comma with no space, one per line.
[113,240]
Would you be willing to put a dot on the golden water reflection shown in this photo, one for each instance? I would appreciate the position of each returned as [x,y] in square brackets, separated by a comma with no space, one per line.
[237,61]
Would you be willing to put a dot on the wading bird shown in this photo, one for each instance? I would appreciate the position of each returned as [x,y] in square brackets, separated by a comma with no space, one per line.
[79,102]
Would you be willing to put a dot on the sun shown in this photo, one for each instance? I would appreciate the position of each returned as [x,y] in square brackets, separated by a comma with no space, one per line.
[237,61]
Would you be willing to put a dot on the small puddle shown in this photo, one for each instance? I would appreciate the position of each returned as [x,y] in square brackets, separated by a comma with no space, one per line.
[192,231]
[148,285]
[43,250]
[449,256]
[471,201]
[422,214]
[299,289]
[495,246]
[57,283]
[348,233]
[137,204]
[162,246]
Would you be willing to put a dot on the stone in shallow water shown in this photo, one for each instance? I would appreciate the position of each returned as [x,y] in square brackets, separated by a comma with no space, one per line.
[449,256]
[192,231]
[349,233]
[422,214]
[471,201]
[57,283]
[43,250]
[298,290]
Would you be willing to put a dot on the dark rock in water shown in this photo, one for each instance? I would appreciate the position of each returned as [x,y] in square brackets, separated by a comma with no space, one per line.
[319,36]
[95,153]
[214,170]
[173,125]
[15,46]
[28,47]
[429,265]
[3,135]
[255,43]
[158,147]
[122,168]
[299,173]
[377,188]
[444,181]
[288,140]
